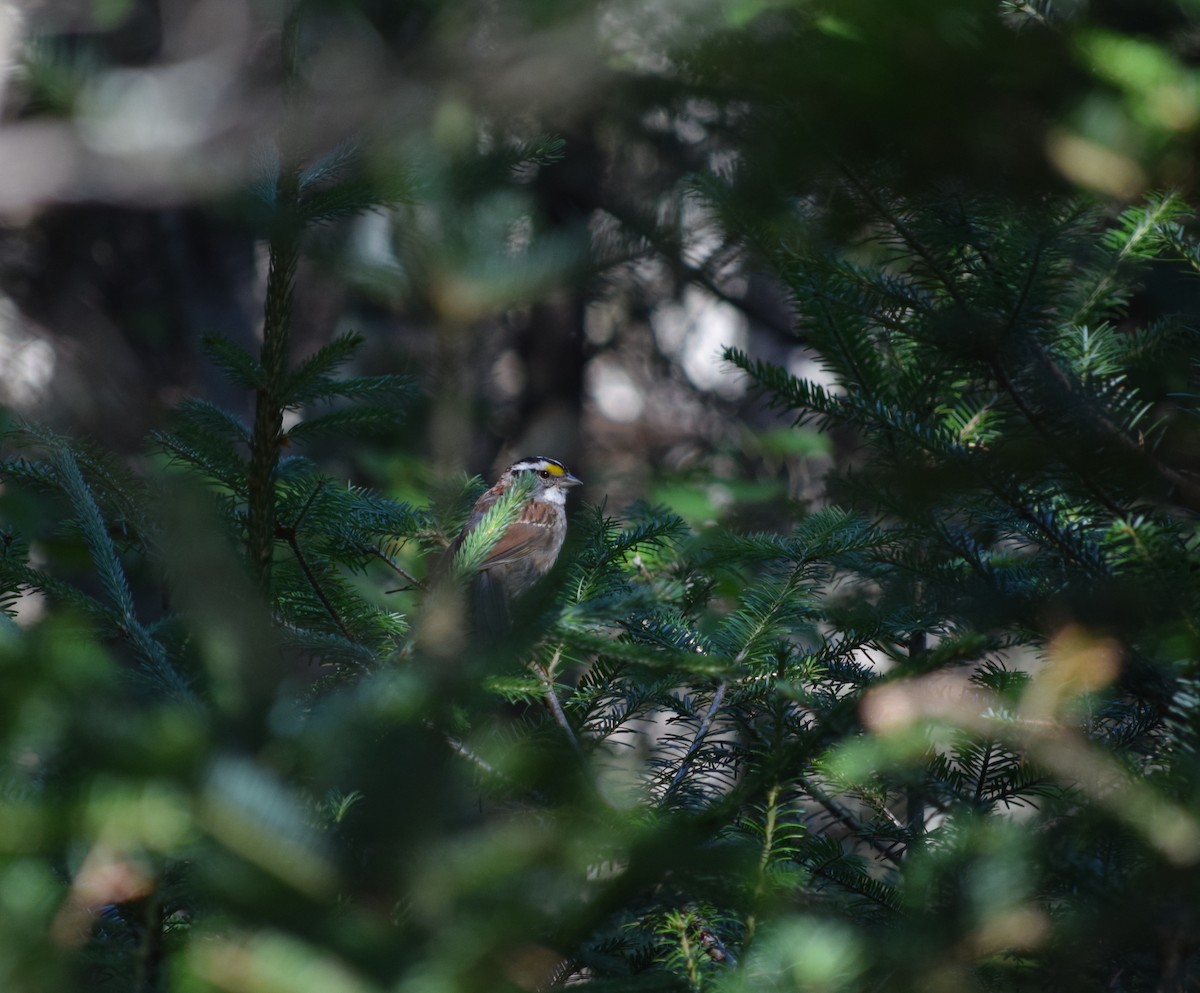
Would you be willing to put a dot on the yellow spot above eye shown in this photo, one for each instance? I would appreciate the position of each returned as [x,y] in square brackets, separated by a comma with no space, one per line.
[554,470]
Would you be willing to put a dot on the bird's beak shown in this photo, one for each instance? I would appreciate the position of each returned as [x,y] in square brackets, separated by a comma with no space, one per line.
[570,479]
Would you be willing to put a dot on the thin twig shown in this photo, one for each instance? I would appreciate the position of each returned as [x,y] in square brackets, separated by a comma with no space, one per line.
[846,819]
[543,673]
[289,535]
[413,582]
[308,504]
[697,741]
[460,748]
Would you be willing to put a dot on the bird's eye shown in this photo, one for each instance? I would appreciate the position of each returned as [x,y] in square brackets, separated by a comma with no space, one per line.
[544,474]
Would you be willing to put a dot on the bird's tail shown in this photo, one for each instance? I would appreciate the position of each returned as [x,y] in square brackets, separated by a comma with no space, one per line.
[490,607]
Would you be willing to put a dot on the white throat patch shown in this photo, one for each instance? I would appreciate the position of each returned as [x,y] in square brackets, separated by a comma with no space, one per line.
[553,494]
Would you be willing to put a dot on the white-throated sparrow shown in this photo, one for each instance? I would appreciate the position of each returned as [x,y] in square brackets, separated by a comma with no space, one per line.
[529,547]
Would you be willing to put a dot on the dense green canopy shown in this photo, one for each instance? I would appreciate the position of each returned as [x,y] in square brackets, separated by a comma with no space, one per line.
[871,660]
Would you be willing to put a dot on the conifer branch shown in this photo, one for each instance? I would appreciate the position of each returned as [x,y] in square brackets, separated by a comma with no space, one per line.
[1187,488]
[764,862]
[267,433]
[1037,422]
[1026,286]
[916,245]
[112,572]
[269,402]
[858,886]
[984,768]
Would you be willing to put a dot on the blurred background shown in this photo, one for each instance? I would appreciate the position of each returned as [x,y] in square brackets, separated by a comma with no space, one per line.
[574,307]
[539,306]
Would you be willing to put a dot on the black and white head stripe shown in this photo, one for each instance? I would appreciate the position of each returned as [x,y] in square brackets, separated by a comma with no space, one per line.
[548,469]
[539,463]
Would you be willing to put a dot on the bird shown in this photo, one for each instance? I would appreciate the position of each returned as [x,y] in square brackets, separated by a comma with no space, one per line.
[528,548]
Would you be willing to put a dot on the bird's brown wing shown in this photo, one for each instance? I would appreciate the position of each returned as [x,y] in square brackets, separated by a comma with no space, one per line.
[535,519]
[529,531]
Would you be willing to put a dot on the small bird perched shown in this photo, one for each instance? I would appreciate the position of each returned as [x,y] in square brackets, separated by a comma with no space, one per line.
[529,547]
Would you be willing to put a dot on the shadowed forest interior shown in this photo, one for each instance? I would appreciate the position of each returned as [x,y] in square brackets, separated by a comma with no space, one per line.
[870,659]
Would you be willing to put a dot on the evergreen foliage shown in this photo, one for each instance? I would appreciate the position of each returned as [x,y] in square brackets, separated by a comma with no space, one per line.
[881,747]
[938,733]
